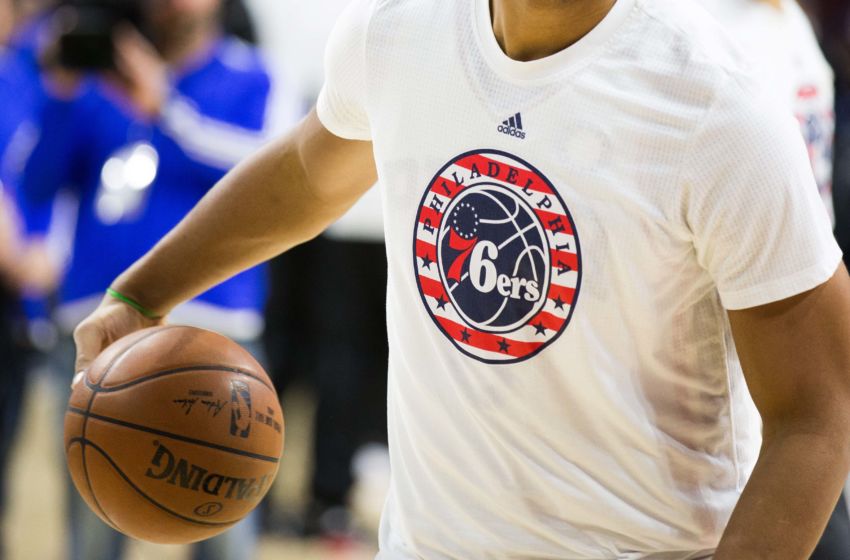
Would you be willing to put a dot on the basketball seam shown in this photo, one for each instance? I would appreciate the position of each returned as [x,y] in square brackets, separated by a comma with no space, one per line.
[171,435]
[85,421]
[138,490]
[157,375]
[123,352]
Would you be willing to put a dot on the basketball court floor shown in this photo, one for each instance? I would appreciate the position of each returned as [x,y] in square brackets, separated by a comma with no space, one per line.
[34,528]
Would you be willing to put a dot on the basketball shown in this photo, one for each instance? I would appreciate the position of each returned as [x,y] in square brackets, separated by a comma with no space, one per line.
[173,435]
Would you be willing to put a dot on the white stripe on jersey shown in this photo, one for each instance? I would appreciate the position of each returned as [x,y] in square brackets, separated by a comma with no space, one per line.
[210,141]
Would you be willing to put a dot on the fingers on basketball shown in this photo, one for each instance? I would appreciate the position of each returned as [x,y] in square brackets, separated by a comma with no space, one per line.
[90,340]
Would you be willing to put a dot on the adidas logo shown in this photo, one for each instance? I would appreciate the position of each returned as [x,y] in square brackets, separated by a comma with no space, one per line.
[513,127]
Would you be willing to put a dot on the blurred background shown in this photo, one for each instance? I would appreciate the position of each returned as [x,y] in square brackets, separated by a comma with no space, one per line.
[116,116]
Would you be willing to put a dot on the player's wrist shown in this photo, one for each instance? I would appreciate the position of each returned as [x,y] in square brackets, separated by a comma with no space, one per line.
[133,303]
[142,301]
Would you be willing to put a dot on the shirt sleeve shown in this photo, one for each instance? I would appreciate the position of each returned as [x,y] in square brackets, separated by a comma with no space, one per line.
[758,224]
[341,106]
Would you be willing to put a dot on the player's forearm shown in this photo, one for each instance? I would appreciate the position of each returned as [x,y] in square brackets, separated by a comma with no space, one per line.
[791,493]
[266,205]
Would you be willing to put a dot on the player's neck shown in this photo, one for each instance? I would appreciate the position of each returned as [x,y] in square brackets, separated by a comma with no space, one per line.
[532,29]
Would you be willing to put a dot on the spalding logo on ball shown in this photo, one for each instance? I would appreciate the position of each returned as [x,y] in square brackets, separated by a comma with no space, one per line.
[496,256]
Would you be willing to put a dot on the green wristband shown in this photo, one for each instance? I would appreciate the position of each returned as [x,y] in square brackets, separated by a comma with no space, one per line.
[132,303]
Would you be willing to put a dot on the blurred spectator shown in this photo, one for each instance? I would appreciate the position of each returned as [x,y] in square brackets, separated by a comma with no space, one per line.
[24,266]
[778,38]
[139,143]
[237,21]
[22,97]
[298,53]
[833,23]
[351,372]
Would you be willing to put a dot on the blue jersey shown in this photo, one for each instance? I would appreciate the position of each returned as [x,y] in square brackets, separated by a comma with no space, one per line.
[21,98]
[135,179]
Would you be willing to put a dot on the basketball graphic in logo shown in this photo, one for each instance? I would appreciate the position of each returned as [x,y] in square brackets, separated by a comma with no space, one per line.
[497,256]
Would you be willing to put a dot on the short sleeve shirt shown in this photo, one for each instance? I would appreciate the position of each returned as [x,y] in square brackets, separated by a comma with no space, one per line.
[564,237]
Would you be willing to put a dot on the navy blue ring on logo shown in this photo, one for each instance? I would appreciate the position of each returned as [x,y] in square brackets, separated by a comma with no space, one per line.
[497,257]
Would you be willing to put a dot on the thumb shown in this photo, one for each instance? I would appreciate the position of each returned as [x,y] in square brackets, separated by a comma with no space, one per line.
[89,341]
[77,378]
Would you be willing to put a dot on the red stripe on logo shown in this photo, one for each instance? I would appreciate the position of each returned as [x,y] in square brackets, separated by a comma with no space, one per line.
[556,223]
[446,187]
[424,249]
[432,288]
[564,262]
[547,320]
[566,294]
[429,216]
[487,341]
[505,173]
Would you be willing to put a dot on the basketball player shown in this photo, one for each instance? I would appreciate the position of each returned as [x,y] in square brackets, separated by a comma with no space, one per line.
[600,233]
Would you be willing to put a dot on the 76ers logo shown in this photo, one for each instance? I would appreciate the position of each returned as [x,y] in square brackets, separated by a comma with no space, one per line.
[497,256]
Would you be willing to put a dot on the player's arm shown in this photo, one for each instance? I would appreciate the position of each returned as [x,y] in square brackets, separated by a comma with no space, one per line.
[796,358]
[284,195]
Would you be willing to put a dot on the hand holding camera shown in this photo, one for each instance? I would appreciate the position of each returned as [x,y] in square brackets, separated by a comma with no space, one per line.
[140,72]
[106,37]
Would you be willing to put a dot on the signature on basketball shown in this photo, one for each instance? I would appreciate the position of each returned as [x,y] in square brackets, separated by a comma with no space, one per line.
[212,407]
[242,414]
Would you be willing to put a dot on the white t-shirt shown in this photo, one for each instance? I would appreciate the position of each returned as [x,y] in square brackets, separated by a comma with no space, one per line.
[785,54]
[563,236]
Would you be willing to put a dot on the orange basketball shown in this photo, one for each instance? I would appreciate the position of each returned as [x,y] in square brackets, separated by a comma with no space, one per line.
[174,434]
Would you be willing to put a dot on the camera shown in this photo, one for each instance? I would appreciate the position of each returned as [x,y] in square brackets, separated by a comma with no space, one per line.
[86,30]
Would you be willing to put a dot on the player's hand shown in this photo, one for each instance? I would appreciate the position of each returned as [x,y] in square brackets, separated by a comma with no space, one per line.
[112,320]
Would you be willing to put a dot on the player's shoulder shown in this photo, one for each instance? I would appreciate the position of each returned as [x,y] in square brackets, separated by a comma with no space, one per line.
[693,36]
[415,12]
[698,59]
[803,39]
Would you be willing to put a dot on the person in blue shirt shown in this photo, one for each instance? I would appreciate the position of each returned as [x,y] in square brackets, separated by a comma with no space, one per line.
[24,265]
[21,98]
[140,145]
